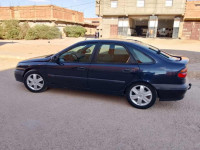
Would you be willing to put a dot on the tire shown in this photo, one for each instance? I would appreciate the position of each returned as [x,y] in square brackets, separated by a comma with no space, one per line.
[35,82]
[141,95]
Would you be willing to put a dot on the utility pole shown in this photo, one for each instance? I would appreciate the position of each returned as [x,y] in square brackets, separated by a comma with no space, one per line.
[98,2]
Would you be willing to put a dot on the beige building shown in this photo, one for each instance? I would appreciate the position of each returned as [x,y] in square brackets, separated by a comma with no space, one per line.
[95,22]
[149,18]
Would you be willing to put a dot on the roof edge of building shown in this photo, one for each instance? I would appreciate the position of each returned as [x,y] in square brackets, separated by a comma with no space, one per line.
[39,6]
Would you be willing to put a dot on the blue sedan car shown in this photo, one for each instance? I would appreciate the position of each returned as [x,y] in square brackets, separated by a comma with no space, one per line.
[139,71]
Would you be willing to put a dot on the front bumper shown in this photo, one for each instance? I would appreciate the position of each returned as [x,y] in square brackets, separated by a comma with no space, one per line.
[19,75]
[171,92]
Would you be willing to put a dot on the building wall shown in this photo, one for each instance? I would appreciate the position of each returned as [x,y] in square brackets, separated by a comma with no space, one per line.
[45,12]
[107,23]
[5,13]
[191,30]
[129,7]
[36,12]
[93,21]
[90,30]
[67,14]
[191,25]
[192,11]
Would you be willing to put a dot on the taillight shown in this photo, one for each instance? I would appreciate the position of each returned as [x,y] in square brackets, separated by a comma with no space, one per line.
[182,73]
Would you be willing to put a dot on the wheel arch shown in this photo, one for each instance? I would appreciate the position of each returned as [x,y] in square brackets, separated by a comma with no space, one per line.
[27,70]
[142,81]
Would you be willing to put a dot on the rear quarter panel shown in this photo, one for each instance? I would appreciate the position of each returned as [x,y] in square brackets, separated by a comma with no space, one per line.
[162,71]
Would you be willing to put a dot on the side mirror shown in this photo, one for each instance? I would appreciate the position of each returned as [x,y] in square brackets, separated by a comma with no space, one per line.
[54,58]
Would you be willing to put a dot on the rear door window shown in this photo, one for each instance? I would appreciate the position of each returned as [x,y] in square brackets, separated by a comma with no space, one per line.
[113,53]
[140,57]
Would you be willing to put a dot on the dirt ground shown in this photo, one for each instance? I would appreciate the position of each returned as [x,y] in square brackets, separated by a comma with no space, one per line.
[23,49]
[13,51]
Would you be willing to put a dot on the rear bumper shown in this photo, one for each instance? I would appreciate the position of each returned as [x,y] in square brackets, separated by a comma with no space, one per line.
[19,75]
[171,92]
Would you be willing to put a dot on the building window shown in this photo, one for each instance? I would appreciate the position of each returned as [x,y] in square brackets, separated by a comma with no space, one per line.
[95,21]
[168,3]
[140,3]
[113,3]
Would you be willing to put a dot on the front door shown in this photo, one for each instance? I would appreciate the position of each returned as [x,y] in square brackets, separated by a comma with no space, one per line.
[112,69]
[71,68]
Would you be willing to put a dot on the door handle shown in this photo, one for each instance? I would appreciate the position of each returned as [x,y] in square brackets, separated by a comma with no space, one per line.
[81,68]
[127,70]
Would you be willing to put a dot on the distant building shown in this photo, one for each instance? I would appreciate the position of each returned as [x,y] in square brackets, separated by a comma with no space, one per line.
[149,18]
[191,26]
[95,22]
[44,14]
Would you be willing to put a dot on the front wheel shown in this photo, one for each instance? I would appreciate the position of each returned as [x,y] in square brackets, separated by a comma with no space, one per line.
[141,95]
[35,82]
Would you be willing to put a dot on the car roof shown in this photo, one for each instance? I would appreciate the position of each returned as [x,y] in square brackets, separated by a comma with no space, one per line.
[119,41]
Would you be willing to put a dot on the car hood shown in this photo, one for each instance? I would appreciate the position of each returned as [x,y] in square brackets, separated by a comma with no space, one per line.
[45,58]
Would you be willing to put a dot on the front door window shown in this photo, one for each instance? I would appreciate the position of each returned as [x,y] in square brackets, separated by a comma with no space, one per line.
[80,53]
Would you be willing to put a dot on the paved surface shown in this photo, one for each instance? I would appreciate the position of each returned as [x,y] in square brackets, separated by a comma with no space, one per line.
[61,119]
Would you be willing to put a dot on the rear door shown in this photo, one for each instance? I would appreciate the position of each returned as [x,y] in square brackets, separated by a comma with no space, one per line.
[112,68]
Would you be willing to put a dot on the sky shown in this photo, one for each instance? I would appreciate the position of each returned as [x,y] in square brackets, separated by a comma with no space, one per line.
[85,6]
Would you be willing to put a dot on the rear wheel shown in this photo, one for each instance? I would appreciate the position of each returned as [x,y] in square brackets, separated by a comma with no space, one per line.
[141,95]
[35,82]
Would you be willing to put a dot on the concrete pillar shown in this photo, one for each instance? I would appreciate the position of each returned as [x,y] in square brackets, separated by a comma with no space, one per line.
[152,26]
[176,28]
[123,26]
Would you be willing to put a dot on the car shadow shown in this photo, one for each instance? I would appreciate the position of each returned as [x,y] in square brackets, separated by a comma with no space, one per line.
[3,43]
[89,95]
[9,85]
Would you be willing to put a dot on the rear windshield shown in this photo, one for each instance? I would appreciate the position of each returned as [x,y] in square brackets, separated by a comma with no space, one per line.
[158,51]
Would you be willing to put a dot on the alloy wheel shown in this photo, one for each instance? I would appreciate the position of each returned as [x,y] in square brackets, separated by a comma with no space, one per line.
[35,82]
[140,95]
